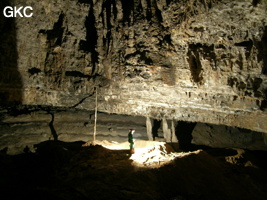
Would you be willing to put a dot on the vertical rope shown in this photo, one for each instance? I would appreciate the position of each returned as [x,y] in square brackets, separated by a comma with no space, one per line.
[94,135]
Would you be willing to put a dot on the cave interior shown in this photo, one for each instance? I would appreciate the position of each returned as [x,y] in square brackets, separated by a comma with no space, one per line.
[189,76]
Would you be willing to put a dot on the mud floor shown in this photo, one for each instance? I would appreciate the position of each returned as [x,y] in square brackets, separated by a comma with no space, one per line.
[106,170]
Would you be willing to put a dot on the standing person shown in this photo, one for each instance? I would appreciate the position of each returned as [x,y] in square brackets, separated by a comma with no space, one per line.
[131,140]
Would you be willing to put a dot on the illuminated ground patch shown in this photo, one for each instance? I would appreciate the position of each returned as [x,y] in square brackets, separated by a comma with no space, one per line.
[150,154]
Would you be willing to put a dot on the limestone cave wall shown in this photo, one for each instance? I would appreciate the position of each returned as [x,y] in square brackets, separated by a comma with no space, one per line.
[190,60]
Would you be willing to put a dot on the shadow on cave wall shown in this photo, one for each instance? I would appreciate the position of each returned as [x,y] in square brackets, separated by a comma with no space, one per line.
[89,45]
[263,53]
[10,78]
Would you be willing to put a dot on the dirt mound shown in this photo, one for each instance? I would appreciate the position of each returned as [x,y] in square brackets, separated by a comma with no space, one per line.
[139,144]
[152,154]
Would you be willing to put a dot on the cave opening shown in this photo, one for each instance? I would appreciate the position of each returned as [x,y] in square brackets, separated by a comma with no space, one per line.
[155,128]
[183,132]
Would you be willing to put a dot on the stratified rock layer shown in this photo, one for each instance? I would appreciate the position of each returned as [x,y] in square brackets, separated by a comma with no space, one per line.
[193,60]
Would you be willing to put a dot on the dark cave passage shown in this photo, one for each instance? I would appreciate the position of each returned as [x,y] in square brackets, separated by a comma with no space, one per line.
[155,128]
[183,132]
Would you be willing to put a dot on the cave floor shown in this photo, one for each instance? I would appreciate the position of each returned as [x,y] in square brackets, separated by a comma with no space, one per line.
[60,170]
